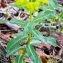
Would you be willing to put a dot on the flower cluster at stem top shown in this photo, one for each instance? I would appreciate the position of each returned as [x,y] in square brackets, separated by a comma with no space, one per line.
[31,5]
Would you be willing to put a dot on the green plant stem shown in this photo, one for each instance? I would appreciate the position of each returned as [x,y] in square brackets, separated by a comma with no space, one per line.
[29,36]
[30,16]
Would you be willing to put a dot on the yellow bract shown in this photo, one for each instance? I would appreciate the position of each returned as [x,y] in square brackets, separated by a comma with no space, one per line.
[31,6]
[20,2]
[36,5]
[44,1]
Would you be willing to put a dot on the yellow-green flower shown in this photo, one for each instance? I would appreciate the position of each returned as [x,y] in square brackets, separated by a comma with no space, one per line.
[21,2]
[36,5]
[44,1]
[30,6]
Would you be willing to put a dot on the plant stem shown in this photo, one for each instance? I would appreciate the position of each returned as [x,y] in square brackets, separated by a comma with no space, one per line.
[29,36]
[30,16]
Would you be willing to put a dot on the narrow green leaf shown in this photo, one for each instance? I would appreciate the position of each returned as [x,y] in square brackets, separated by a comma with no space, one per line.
[13,45]
[10,52]
[18,34]
[28,27]
[15,42]
[51,40]
[19,58]
[32,54]
[3,21]
[35,41]
[17,21]
[47,14]
[54,3]
[38,35]
[46,40]
[61,16]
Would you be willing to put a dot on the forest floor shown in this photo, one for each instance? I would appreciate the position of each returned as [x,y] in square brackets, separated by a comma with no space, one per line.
[47,52]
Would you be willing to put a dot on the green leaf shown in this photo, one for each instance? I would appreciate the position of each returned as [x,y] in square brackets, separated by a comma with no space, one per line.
[0,52]
[32,54]
[35,41]
[38,35]
[60,7]
[17,21]
[24,24]
[28,27]
[54,3]
[19,33]
[10,52]
[46,40]
[61,16]
[15,42]
[51,40]
[3,21]
[23,61]
[13,45]
[47,14]
[19,58]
